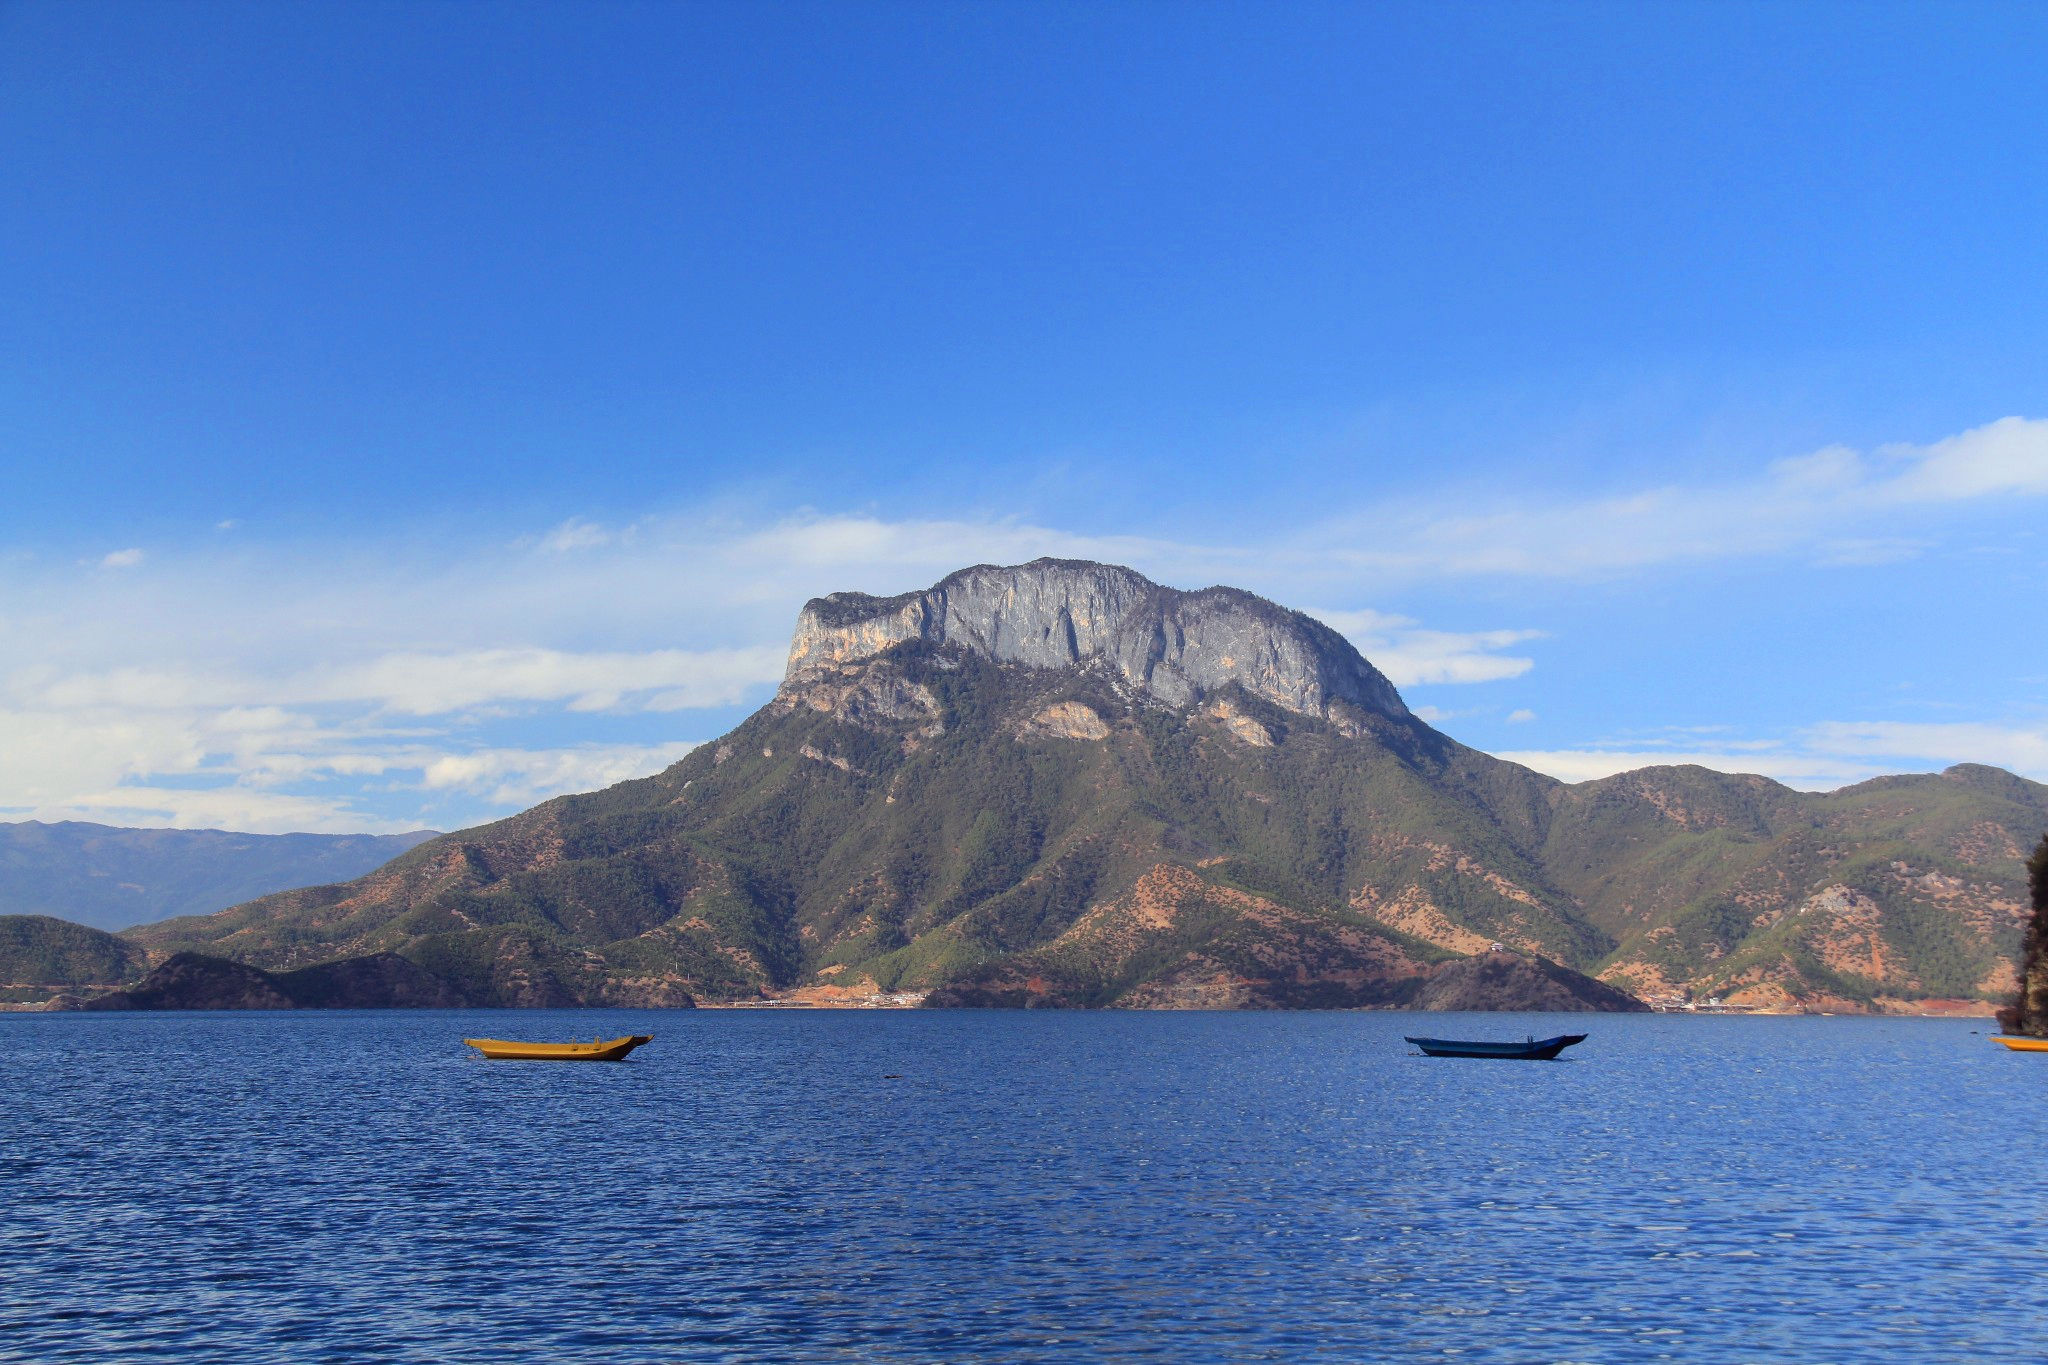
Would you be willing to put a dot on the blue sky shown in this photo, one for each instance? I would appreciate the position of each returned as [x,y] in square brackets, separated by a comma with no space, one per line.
[412,411]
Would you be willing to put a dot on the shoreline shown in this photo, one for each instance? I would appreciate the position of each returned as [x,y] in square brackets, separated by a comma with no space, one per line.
[1977,1010]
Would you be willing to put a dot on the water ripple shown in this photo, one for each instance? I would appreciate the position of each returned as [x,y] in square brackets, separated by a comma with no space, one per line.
[946,1186]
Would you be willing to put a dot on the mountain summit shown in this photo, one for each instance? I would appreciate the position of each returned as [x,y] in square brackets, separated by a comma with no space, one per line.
[1174,647]
[1063,784]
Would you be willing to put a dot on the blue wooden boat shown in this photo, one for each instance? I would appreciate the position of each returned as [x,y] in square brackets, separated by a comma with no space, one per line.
[1534,1050]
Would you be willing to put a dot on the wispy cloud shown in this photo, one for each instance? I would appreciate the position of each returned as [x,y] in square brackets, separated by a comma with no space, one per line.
[1817,757]
[577,534]
[2021,748]
[519,777]
[654,680]
[425,684]
[1408,653]
[1808,772]
[1837,505]
[2006,457]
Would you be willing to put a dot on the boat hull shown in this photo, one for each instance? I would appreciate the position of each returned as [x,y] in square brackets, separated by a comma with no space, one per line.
[610,1050]
[2021,1044]
[1534,1050]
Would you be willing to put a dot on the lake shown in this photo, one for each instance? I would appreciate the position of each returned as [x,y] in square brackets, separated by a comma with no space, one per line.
[952,1186]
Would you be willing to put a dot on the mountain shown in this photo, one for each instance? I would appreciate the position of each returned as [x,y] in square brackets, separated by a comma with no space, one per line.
[1061,783]
[110,878]
[40,955]
[1896,890]
[192,981]
[1494,981]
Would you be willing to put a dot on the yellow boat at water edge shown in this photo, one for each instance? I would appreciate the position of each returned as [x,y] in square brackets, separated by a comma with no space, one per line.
[2022,1044]
[603,1050]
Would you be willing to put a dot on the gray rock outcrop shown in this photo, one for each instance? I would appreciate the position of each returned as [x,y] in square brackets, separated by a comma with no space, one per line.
[1174,646]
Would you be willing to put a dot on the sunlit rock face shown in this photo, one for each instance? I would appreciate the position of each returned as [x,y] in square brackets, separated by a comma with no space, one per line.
[1066,720]
[1176,647]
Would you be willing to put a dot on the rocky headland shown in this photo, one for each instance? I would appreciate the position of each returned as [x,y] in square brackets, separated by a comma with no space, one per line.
[1512,981]
[194,981]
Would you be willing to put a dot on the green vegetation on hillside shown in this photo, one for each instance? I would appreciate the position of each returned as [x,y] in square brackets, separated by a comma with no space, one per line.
[40,951]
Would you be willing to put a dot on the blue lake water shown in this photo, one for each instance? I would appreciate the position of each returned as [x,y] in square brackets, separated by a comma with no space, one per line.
[1042,1186]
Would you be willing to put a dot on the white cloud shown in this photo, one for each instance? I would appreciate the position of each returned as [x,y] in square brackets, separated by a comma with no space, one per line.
[435,684]
[2009,456]
[1407,653]
[521,777]
[122,559]
[432,684]
[52,755]
[1840,505]
[1818,757]
[1805,771]
[576,534]
[1521,716]
[2022,749]
[231,807]
[916,553]
[263,769]
[1863,552]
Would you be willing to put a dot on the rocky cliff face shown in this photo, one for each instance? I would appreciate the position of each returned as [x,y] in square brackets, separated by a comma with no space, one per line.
[1175,647]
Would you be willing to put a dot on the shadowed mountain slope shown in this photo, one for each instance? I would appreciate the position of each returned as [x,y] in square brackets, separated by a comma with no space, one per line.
[1063,784]
[1509,981]
[194,981]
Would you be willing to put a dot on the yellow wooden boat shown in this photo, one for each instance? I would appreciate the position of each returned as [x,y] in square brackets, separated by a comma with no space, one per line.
[2022,1044]
[603,1050]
